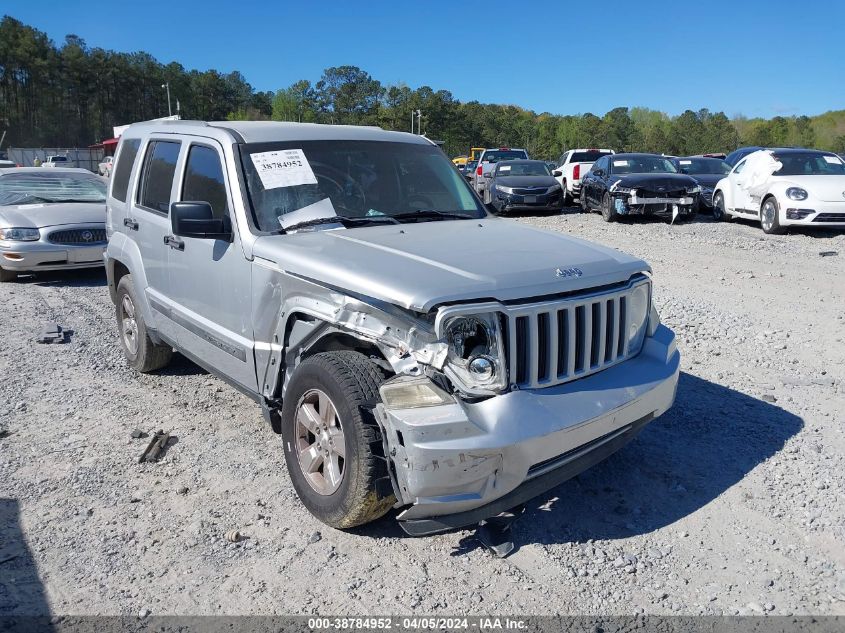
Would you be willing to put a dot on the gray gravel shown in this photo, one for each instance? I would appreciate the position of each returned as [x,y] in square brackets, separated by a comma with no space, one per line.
[730,503]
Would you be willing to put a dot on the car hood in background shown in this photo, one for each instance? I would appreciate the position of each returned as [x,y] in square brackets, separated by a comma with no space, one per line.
[651,181]
[419,266]
[36,216]
[526,181]
[707,180]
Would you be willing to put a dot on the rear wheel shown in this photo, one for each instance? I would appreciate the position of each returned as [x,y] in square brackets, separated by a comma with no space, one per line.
[332,443]
[770,217]
[608,213]
[582,199]
[7,275]
[141,352]
[567,197]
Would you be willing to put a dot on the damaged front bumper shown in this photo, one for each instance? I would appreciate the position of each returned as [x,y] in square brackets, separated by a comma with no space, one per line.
[456,464]
[625,204]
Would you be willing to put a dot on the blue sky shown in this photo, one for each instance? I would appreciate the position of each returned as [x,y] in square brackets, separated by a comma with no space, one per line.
[755,57]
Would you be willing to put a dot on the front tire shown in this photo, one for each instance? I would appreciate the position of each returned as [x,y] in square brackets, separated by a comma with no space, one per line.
[7,275]
[770,217]
[608,213]
[332,444]
[140,351]
[719,212]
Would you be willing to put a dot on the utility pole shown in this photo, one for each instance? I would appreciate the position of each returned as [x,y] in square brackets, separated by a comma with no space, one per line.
[419,122]
[167,87]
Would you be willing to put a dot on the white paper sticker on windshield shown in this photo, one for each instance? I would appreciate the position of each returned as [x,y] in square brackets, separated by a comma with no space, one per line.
[833,160]
[620,163]
[685,162]
[505,168]
[283,168]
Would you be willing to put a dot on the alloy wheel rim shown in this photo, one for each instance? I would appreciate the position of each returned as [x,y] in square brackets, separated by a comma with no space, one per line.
[320,443]
[768,215]
[129,326]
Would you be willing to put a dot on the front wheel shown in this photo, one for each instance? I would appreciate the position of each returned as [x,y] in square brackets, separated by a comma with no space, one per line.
[7,275]
[608,213]
[331,442]
[770,217]
[719,213]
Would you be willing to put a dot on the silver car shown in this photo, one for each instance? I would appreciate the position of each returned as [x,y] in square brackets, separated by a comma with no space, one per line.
[412,350]
[50,220]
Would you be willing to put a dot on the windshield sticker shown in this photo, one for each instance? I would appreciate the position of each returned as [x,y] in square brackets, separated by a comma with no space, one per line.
[283,168]
[833,160]
[505,168]
[320,209]
[620,163]
[685,162]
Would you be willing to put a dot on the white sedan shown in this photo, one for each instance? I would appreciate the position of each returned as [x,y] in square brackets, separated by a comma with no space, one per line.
[784,187]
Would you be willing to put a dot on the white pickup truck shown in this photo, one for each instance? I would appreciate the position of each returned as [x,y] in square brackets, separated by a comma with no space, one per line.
[572,167]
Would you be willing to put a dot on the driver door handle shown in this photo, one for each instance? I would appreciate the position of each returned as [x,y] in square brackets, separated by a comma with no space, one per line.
[174,242]
[130,223]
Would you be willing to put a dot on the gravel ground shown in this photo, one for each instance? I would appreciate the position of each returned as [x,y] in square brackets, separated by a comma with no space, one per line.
[731,503]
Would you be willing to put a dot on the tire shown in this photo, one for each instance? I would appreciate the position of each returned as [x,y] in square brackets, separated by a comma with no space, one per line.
[582,199]
[346,381]
[140,351]
[608,214]
[719,212]
[7,275]
[770,217]
[568,200]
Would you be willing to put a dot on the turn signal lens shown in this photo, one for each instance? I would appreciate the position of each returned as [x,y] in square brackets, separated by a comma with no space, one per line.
[411,393]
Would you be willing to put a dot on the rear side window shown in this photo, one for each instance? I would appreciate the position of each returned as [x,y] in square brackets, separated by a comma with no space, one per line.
[157,179]
[204,179]
[587,157]
[125,161]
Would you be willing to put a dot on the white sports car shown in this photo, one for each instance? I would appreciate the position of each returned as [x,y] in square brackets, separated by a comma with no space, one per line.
[784,187]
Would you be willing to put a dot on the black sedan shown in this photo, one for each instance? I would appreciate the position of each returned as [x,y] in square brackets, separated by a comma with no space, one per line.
[707,172]
[638,184]
[522,185]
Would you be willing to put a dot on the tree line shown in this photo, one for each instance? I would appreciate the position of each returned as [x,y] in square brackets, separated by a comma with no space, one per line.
[72,95]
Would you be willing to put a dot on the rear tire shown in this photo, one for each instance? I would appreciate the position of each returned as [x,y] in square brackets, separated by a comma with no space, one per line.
[7,275]
[770,217]
[140,351]
[582,199]
[335,386]
[568,200]
[607,211]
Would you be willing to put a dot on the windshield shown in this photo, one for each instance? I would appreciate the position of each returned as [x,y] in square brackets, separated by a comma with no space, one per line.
[494,156]
[518,168]
[712,166]
[351,179]
[49,186]
[642,165]
[809,164]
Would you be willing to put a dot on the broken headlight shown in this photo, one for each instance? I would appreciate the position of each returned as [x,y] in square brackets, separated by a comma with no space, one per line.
[475,360]
[638,304]
[696,189]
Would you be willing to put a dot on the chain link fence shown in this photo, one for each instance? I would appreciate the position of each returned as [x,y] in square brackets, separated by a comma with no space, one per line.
[87,158]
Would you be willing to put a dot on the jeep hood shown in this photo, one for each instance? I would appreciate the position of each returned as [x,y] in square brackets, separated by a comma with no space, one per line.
[419,266]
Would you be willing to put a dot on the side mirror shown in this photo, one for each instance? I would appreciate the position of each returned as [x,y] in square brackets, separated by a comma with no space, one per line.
[557,173]
[196,219]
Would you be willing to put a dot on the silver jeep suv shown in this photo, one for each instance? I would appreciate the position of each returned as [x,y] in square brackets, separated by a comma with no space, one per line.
[413,351]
